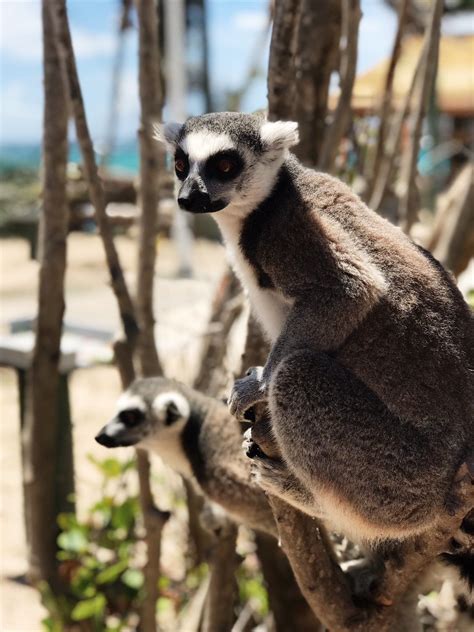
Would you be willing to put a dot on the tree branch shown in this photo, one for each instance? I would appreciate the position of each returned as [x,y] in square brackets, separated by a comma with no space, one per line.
[351,15]
[96,190]
[409,201]
[384,112]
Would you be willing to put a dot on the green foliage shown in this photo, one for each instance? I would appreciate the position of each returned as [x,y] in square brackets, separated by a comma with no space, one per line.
[97,559]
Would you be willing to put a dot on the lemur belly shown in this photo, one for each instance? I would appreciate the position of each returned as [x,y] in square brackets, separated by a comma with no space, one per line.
[269,306]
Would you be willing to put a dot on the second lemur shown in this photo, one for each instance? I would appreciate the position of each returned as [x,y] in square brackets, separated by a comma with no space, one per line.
[369,380]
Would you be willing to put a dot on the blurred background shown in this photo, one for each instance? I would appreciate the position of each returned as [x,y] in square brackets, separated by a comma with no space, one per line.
[214,56]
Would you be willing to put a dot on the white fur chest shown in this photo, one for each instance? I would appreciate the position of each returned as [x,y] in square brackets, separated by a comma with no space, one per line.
[270,306]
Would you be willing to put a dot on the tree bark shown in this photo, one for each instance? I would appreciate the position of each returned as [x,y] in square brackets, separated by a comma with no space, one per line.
[42,423]
[409,202]
[351,15]
[290,609]
[452,240]
[151,170]
[384,112]
[281,84]
[316,56]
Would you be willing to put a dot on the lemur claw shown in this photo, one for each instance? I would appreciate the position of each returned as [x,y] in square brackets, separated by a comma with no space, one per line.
[246,392]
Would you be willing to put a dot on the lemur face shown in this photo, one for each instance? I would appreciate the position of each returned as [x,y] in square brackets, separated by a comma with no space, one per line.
[225,159]
[149,412]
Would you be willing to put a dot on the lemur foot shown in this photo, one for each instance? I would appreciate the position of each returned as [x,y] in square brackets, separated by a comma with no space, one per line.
[246,392]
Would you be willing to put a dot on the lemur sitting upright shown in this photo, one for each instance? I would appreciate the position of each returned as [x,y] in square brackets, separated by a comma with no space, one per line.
[369,380]
[196,436]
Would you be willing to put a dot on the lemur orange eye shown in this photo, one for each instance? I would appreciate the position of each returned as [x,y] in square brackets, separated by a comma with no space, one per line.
[225,166]
[180,165]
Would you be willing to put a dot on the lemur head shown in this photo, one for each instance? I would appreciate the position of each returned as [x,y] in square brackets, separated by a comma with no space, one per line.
[150,414]
[226,159]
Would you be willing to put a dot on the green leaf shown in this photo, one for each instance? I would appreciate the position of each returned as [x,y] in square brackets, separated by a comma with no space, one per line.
[164,604]
[133,578]
[74,540]
[89,608]
[110,468]
[111,573]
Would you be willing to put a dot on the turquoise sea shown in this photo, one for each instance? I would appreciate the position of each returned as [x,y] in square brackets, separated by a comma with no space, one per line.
[28,156]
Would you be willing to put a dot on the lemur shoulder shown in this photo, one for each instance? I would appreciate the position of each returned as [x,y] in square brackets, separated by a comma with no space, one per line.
[197,437]
[370,377]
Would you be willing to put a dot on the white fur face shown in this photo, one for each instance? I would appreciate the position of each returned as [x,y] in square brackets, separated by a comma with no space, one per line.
[227,172]
[170,412]
[156,426]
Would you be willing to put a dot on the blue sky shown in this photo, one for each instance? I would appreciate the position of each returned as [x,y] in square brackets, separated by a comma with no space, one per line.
[234,26]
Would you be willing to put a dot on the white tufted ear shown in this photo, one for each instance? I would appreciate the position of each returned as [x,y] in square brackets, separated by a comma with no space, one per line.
[279,135]
[170,407]
[167,133]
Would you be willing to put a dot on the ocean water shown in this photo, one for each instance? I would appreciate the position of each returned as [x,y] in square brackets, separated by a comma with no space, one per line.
[123,159]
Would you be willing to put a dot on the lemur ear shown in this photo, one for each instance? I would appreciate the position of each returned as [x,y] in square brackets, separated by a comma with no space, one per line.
[279,135]
[171,407]
[167,133]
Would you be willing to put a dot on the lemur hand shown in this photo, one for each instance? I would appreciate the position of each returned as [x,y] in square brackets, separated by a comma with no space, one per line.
[247,391]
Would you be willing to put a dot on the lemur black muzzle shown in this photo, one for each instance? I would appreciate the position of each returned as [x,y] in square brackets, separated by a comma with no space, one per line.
[196,202]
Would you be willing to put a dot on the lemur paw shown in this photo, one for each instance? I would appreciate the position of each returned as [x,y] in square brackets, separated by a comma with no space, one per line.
[246,392]
[250,448]
[269,474]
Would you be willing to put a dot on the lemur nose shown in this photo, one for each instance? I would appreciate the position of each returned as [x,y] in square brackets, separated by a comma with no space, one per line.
[196,202]
[106,440]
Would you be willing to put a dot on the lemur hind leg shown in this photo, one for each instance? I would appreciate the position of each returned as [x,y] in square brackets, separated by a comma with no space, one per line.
[382,476]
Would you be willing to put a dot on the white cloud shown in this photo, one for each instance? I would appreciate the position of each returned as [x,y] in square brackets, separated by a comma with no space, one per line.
[20,28]
[250,20]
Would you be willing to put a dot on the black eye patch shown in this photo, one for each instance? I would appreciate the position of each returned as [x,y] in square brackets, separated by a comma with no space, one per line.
[132,417]
[225,165]
[181,164]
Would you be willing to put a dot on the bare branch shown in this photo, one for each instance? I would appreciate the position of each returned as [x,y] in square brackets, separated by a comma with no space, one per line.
[384,112]
[96,190]
[41,431]
[409,202]
[351,15]
[393,142]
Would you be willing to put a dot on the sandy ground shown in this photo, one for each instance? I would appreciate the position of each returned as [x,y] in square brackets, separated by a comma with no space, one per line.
[182,308]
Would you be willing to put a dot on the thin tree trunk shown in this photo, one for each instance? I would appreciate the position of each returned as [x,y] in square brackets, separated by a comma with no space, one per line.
[153,519]
[219,610]
[281,84]
[409,203]
[393,141]
[384,112]
[42,422]
[351,15]
[316,56]
[151,170]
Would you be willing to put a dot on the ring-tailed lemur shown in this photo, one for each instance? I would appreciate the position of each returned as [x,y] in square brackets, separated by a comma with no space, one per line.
[370,377]
[197,437]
